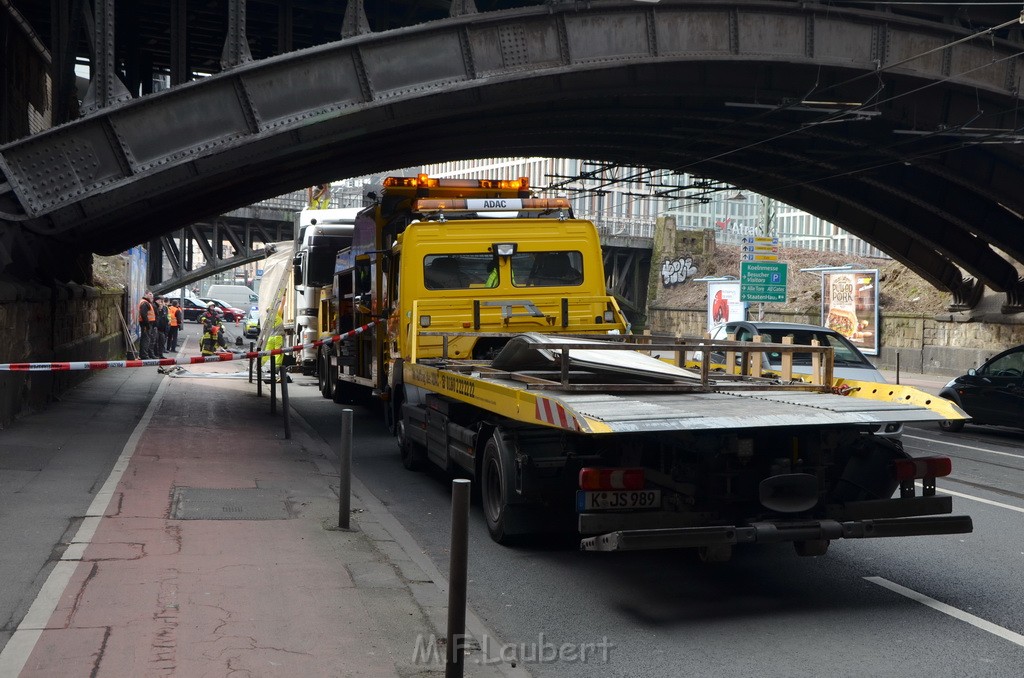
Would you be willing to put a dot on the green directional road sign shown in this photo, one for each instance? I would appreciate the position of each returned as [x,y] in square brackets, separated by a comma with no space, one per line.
[762,281]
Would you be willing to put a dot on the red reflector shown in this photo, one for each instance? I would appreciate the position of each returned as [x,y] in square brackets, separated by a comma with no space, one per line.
[922,467]
[611,479]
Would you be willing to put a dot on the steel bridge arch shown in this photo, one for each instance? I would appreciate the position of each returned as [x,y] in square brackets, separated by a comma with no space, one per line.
[902,131]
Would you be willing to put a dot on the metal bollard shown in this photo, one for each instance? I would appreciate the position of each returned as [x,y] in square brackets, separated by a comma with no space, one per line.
[252,348]
[897,368]
[457,568]
[273,384]
[345,471]
[284,403]
[259,379]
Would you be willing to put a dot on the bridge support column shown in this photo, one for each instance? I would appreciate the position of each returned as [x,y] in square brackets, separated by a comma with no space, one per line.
[105,88]
[1015,299]
[354,22]
[236,45]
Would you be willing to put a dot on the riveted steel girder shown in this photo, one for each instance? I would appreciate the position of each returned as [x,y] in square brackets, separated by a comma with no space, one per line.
[773,74]
[225,243]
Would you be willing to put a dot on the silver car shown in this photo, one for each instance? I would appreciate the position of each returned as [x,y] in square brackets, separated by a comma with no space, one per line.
[849,362]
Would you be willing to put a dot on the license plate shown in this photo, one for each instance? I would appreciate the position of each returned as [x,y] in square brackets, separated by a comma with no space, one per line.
[618,500]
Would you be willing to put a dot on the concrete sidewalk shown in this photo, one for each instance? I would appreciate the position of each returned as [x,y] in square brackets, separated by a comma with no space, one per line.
[213,550]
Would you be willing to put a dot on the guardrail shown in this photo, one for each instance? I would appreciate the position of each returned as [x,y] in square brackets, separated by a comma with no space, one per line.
[741,364]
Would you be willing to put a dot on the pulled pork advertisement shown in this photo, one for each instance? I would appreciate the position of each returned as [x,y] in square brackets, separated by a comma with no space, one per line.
[849,305]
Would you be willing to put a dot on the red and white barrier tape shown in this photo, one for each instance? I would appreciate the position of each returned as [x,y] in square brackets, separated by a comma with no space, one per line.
[160,362]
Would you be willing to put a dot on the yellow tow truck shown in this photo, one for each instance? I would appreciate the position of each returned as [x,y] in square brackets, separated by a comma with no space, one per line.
[496,351]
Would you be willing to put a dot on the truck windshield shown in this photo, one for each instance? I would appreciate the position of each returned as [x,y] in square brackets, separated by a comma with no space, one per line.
[529,269]
[456,271]
[547,269]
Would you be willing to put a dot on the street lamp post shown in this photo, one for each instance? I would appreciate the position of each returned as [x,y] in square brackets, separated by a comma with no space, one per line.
[767,216]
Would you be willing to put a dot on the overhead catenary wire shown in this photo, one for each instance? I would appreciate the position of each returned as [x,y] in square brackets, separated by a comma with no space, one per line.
[838,116]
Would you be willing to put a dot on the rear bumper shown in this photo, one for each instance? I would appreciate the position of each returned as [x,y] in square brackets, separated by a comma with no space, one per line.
[772,532]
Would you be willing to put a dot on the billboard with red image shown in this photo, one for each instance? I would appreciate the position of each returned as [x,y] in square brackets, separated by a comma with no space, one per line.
[724,303]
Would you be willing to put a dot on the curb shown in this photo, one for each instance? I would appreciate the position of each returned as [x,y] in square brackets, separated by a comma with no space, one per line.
[429,587]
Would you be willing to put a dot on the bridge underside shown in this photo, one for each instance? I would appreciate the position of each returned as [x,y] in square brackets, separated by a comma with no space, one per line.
[226,242]
[884,125]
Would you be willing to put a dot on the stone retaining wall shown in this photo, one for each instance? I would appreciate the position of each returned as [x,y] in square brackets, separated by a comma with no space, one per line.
[53,324]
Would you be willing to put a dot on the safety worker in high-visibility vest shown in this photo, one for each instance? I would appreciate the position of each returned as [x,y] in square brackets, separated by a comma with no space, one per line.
[320,197]
[214,318]
[275,341]
[147,327]
[175,320]
[492,277]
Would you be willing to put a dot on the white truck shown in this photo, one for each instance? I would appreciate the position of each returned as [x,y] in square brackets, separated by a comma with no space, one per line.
[319,235]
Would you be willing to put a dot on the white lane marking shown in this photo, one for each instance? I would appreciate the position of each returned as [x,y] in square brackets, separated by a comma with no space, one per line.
[966,447]
[1018,509]
[956,613]
[16,653]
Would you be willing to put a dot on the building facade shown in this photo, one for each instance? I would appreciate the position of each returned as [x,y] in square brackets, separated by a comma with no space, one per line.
[627,201]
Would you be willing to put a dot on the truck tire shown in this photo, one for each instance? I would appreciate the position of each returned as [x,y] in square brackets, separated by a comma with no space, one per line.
[323,376]
[414,456]
[952,425]
[494,489]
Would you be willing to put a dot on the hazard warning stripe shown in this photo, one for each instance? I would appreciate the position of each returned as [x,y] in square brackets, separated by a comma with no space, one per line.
[160,362]
[551,412]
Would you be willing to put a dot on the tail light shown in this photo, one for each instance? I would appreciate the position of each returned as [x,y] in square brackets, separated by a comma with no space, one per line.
[922,467]
[611,478]
[906,471]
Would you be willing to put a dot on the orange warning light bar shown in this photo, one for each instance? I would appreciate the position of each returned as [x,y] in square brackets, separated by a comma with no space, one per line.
[425,181]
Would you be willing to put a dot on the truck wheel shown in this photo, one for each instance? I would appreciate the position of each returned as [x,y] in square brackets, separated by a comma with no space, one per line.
[494,487]
[414,457]
[952,425]
[322,376]
[391,415]
[811,547]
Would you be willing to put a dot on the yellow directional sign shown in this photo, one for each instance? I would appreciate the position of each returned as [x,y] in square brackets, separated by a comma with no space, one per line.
[759,248]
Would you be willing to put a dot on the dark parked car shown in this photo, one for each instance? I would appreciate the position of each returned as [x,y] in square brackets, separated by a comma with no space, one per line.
[992,394]
[193,308]
[230,313]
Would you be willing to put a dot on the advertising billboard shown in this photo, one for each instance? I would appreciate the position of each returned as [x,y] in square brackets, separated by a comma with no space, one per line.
[724,303]
[849,305]
[138,265]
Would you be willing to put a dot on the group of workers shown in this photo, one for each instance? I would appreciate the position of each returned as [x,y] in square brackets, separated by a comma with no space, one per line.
[159,322]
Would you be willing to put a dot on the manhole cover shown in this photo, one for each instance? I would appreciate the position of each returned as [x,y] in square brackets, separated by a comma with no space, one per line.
[242,503]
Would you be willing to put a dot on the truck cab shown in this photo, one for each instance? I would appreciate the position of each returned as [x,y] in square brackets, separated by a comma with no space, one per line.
[497,276]
[319,235]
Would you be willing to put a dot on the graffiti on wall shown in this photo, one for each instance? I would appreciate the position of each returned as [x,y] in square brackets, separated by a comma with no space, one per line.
[674,272]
